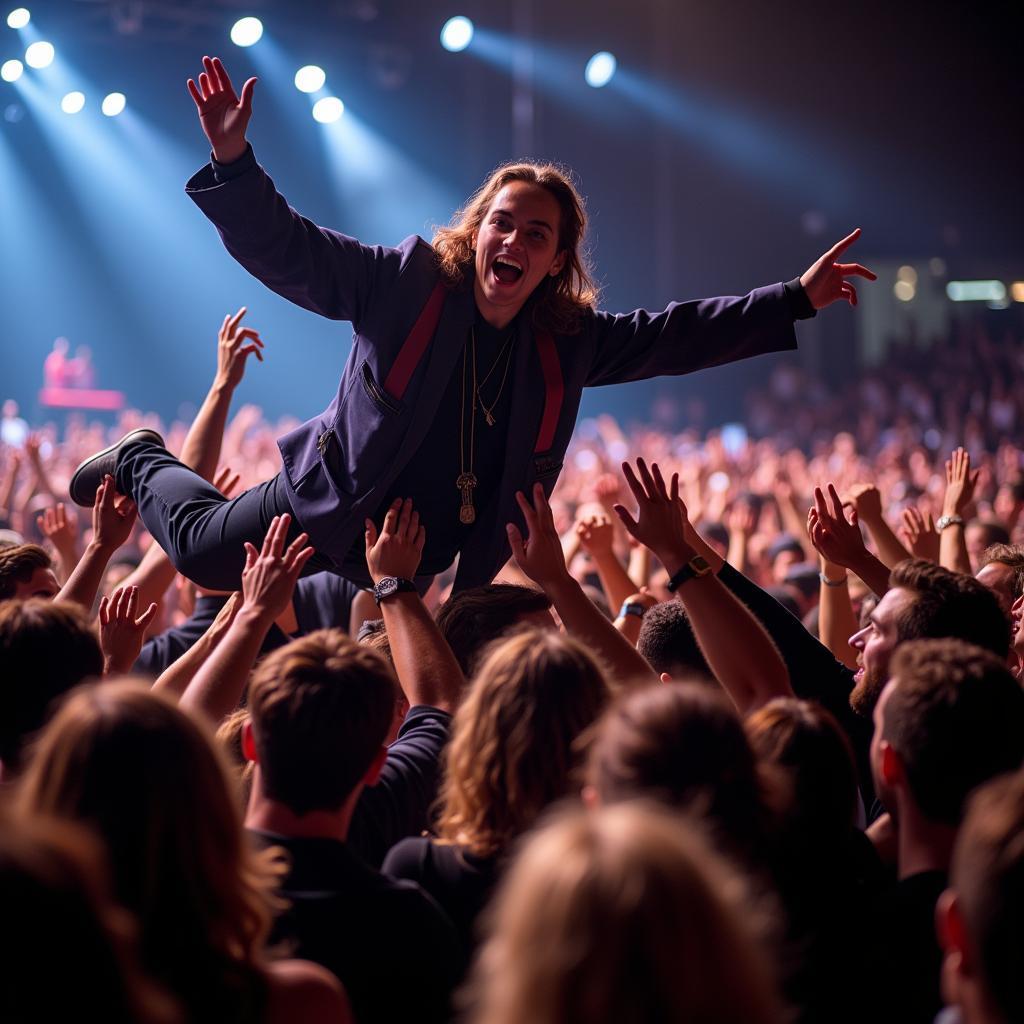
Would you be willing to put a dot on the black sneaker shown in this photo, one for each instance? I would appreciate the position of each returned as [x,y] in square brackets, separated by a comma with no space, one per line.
[89,475]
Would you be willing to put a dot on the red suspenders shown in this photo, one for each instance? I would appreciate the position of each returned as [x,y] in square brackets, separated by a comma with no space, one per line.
[415,345]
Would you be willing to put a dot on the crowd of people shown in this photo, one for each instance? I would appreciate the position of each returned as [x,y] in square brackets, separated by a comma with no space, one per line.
[736,735]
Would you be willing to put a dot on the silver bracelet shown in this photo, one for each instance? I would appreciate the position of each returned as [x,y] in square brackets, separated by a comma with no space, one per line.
[943,521]
[833,583]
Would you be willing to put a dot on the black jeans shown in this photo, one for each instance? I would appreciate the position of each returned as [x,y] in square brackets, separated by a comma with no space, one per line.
[202,531]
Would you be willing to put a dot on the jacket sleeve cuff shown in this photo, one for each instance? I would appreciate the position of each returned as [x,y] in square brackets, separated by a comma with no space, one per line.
[235,169]
[799,305]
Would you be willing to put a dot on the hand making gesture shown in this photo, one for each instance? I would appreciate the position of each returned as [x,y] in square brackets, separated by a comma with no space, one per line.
[399,547]
[661,516]
[825,281]
[234,346]
[222,114]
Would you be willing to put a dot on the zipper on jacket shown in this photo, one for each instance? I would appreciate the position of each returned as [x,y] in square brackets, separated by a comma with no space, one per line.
[377,393]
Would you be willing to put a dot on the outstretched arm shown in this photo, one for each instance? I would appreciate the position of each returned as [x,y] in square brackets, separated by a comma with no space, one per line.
[222,114]
[960,483]
[112,521]
[867,502]
[540,557]
[838,540]
[268,581]
[424,663]
[738,650]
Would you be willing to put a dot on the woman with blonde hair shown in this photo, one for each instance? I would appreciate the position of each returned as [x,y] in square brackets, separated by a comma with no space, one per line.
[150,782]
[620,916]
[513,752]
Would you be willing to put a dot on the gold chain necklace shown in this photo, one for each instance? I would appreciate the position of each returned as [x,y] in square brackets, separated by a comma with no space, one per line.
[488,410]
[466,479]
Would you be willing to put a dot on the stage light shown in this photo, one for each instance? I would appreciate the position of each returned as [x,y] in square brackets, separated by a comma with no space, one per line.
[39,55]
[113,104]
[1017,291]
[457,34]
[246,31]
[11,70]
[600,69]
[904,290]
[976,291]
[907,273]
[310,78]
[329,109]
[18,18]
[73,102]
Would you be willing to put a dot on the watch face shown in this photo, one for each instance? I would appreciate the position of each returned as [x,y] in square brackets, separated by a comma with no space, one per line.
[387,587]
[699,564]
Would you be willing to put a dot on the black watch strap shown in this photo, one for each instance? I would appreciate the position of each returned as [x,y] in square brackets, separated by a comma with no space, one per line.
[389,585]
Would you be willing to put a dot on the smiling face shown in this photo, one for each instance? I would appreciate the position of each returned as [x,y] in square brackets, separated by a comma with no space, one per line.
[516,249]
[874,645]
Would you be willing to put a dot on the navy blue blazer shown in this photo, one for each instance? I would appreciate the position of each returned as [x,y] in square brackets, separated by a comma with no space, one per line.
[339,465]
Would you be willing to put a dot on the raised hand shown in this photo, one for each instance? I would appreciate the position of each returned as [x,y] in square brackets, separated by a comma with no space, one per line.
[233,350]
[399,547]
[222,114]
[867,502]
[596,535]
[270,575]
[836,538]
[122,631]
[960,482]
[61,530]
[741,519]
[540,554]
[113,516]
[825,281]
[661,523]
[919,533]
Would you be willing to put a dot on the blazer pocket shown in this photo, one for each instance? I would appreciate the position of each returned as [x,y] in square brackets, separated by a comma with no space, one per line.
[546,467]
[385,402]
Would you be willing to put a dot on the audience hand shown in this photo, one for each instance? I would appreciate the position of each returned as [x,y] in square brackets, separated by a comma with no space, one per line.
[825,280]
[920,534]
[866,500]
[232,353]
[61,529]
[596,535]
[834,537]
[226,480]
[269,576]
[540,555]
[741,519]
[661,522]
[399,548]
[960,483]
[121,632]
[113,516]
[222,114]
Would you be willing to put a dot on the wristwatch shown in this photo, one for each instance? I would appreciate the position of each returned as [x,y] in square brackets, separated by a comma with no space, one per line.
[388,585]
[694,569]
[632,608]
[943,521]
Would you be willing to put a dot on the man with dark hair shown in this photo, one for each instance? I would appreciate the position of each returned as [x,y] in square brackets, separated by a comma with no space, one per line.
[474,618]
[46,648]
[924,601]
[979,915]
[667,642]
[950,718]
[982,534]
[1002,571]
[26,570]
[320,710]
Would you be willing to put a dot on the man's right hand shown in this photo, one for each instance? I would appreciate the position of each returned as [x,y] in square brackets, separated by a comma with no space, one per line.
[222,114]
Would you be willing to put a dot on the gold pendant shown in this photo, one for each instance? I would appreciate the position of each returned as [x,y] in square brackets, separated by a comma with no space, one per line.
[488,418]
[465,483]
[467,515]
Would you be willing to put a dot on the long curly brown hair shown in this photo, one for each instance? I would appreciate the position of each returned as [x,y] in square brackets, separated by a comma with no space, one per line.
[150,782]
[562,300]
[514,739]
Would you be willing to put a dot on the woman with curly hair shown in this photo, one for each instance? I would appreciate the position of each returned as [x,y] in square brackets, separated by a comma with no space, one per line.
[149,781]
[513,752]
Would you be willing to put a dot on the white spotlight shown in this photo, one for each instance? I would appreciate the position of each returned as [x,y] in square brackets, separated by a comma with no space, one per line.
[246,31]
[113,104]
[329,109]
[18,18]
[11,70]
[310,78]
[39,55]
[73,102]
[457,34]
[600,69]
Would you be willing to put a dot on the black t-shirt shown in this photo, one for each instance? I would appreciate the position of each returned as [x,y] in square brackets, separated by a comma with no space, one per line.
[388,942]
[431,482]
[460,882]
[908,958]
[398,805]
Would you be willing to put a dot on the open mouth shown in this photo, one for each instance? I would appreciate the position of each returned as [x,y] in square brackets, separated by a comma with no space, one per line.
[506,269]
